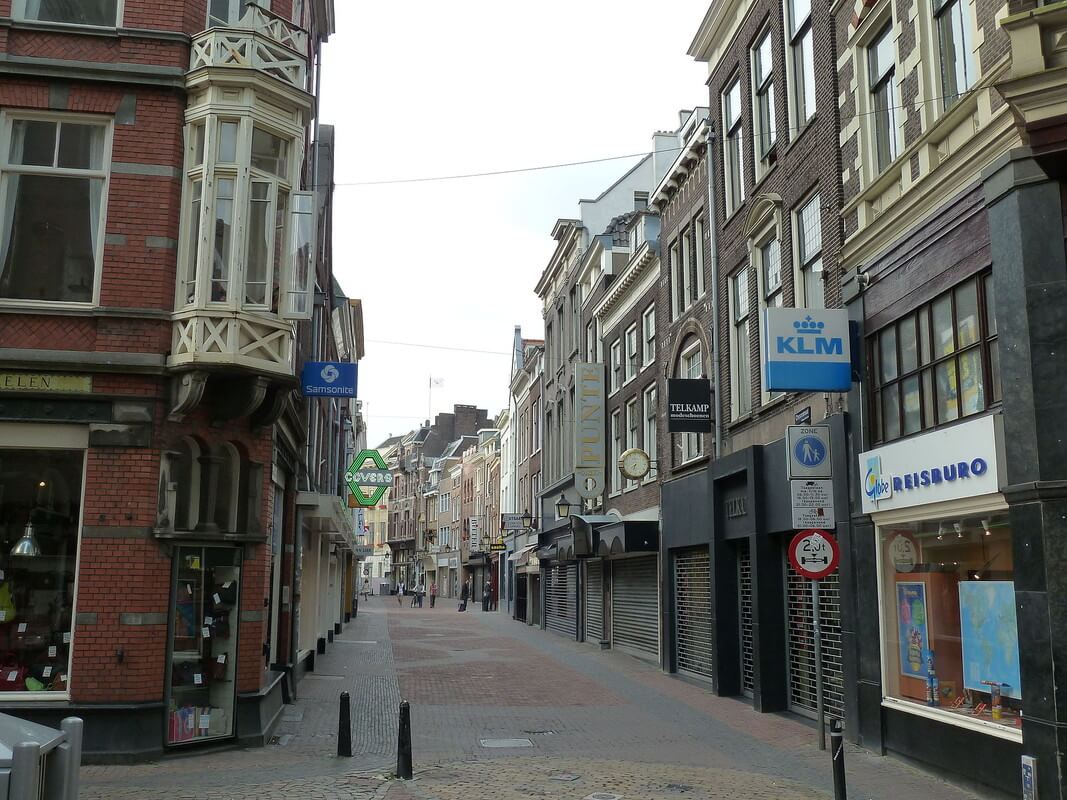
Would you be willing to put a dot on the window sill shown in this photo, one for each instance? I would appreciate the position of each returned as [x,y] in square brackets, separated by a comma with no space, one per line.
[60,27]
[47,306]
[692,461]
[950,718]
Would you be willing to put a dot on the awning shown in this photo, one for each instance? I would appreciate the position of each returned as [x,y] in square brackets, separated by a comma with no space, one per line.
[573,539]
[327,515]
[632,536]
[520,553]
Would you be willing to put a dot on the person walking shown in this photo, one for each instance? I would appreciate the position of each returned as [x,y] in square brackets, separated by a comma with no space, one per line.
[464,595]
[420,592]
[366,589]
[433,594]
[415,595]
[486,589]
[400,593]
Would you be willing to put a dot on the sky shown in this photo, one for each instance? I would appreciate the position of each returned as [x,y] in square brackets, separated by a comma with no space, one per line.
[421,88]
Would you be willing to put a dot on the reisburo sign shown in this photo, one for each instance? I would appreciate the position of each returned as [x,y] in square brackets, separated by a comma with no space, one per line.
[806,349]
[688,405]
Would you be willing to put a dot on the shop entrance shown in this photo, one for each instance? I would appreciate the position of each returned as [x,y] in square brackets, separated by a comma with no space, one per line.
[593,601]
[692,617]
[561,583]
[801,644]
[744,587]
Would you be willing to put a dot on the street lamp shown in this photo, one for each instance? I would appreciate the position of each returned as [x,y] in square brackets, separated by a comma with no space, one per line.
[527,519]
[563,506]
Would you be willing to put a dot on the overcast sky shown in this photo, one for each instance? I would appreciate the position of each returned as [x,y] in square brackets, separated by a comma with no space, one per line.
[421,88]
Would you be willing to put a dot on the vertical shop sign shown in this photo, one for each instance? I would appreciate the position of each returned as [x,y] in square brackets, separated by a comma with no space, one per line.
[589,430]
[914,637]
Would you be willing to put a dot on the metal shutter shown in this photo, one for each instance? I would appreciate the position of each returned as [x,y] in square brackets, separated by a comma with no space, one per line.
[561,582]
[744,568]
[635,604]
[593,590]
[801,643]
[692,612]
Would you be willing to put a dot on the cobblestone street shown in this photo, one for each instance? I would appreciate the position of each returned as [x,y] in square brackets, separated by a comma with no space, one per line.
[585,723]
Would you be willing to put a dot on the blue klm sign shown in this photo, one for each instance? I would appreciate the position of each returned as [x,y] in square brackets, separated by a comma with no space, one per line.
[806,349]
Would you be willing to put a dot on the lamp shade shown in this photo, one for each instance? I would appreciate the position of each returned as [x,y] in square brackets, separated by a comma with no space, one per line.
[527,519]
[27,543]
[563,506]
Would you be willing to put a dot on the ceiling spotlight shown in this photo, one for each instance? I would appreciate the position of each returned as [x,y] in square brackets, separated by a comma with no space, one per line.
[985,527]
[41,484]
[959,529]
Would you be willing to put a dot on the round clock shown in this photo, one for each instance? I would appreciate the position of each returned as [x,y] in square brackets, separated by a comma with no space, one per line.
[634,463]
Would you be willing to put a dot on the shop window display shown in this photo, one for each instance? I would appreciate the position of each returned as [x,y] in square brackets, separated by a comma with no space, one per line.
[204,643]
[949,630]
[40,506]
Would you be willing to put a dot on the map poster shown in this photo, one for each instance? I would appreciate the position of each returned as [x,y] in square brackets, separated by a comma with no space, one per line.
[990,635]
[911,621]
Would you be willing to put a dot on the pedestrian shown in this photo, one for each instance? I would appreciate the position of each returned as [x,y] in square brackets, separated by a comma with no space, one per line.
[433,593]
[486,589]
[400,593]
[420,592]
[366,589]
[464,595]
[415,596]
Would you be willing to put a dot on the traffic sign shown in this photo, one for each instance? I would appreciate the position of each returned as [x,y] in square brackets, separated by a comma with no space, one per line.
[812,504]
[358,476]
[808,451]
[814,554]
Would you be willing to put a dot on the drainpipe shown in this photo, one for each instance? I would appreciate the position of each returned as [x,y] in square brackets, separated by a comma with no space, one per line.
[713,242]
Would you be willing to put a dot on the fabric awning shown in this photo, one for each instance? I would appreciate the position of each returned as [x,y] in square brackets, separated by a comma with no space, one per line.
[520,553]
[631,536]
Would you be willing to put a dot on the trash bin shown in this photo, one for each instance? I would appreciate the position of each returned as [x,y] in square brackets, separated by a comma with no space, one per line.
[37,761]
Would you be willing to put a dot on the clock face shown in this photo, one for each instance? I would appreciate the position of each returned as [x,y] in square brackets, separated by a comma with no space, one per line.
[634,463]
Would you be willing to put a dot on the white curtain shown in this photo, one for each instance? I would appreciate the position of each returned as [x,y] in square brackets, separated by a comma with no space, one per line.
[7,200]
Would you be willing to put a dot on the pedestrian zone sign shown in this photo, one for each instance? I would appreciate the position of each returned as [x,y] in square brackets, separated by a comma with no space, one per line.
[808,451]
[359,476]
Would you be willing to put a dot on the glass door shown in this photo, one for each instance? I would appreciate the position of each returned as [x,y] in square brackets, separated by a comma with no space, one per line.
[203,648]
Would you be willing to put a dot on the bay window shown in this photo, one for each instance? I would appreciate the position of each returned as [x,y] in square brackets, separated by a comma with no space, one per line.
[229,12]
[100,13]
[53,190]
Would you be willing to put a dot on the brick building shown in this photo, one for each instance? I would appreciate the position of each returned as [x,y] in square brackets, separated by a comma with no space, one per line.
[163,273]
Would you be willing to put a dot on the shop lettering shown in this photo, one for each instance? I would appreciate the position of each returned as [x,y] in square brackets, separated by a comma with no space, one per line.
[934,476]
[690,408]
[735,507]
[798,345]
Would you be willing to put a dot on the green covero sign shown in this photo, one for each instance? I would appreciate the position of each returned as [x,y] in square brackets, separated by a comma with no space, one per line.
[376,477]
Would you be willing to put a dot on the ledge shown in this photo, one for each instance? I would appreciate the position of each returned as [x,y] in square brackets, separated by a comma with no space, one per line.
[120,32]
[83,360]
[169,77]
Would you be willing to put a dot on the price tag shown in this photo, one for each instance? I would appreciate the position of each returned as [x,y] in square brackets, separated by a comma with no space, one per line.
[221,659]
[47,672]
[205,632]
[205,720]
[198,679]
[22,627]
[66,637]
[216,598]
[209,620]
[52,651]
[13,675]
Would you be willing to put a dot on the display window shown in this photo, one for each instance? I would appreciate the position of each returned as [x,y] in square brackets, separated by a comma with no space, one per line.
[40,515]
[204,617]
[949,631]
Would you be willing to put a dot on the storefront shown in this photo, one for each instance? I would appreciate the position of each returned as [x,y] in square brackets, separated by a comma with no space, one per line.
[559,581]
[593,588]
[951,689]
[629,550]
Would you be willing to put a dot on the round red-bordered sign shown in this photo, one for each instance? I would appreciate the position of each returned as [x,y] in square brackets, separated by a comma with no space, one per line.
[814,554]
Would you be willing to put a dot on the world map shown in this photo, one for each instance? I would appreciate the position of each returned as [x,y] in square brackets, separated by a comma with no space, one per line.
[990,634]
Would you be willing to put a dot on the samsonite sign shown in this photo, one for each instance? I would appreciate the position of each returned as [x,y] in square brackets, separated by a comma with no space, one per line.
[806,349]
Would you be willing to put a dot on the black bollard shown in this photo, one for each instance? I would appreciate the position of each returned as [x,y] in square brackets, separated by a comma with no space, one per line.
[403,745]
[344,727]
[837,751]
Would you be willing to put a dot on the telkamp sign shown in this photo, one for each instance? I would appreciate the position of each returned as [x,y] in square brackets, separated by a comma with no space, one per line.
[689,405]
[806,349]
[589,455]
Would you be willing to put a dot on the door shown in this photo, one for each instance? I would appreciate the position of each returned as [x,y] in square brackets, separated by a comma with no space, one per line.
[593,594]
[561,583]
[635,604]
[692,613]
[801,644]
[744,584]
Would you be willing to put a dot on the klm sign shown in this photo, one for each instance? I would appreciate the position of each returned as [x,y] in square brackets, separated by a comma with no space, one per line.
[806,349]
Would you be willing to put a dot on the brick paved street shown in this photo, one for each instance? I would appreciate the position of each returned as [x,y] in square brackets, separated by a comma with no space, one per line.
[590,722]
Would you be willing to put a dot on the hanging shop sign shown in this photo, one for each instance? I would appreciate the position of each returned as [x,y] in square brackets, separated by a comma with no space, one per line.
[814,554]
[376,477]
[808,451]
[806,349]
[511,522]
[812,503]
[497,546]
[38,382]
[328,379]
[948,464]
[474,526]
[689,405]
[589,458]
[362,550]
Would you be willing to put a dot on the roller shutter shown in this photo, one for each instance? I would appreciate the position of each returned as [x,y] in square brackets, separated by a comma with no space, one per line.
[801,644]
[561,583]
[744,565]
[635,604]
[692,612]
[593,592]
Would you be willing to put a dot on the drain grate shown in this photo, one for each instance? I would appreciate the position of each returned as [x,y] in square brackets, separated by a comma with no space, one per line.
[505,743]
[602,796]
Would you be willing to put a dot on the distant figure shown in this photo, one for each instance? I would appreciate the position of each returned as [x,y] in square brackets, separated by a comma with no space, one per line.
[420,592]
[400,593]
[366,589]
[415,596]
[464,595]
[433,594]
[486,589]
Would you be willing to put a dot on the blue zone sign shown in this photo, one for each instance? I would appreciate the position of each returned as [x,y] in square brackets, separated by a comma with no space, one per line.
[328,379]
[806,349]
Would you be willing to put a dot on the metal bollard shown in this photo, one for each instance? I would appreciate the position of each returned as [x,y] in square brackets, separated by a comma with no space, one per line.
[403,745]
[344,727]
[837,752]
[25,770]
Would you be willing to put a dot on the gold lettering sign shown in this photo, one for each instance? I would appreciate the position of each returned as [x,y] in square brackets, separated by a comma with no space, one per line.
[37,382]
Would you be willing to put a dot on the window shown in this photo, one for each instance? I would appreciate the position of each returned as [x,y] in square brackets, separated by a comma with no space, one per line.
[881,67]
[809,251]
[956,44]
[631,352]
[229,12]
[801,61]
[678,293]
[698,258]
[616,451]
[651,418]
[688,284]
[590,342]
[763,98]
[632,423]
[741,376]
[535,424]
[691,365]
[616,365]
[770,264]
[937,364]
[648,327]
[733,147]
[948,585]
[53,194]
[102,13]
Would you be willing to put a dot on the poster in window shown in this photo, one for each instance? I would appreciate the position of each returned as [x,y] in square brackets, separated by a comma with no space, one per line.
[990,634]
[912,625]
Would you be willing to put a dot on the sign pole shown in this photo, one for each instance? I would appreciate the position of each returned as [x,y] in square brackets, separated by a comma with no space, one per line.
[820,711]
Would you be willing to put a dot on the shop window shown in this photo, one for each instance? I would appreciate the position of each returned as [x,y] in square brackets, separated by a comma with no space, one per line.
[179,487]
[949,630]
[53,181]
[40,505]
[937,364]
[103,13]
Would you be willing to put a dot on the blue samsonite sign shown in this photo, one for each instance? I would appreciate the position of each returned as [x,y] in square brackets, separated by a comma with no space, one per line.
[806,349]
[328,379]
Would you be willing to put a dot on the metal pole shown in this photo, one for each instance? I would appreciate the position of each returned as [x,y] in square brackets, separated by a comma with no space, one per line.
[837,752]
[344,727]
[403,745]
[820,711]
[25,770]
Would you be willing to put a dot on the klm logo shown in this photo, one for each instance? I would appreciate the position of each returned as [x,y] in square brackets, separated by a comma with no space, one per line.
[809,341]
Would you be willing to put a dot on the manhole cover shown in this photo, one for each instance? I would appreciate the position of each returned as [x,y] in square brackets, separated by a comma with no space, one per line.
[602,796]
[565,776]
[505,743]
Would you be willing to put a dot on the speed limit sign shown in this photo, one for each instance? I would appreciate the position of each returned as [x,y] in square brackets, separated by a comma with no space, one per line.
[814,554]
